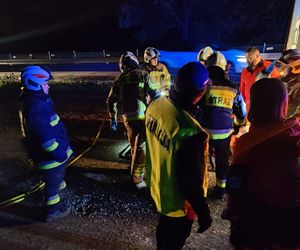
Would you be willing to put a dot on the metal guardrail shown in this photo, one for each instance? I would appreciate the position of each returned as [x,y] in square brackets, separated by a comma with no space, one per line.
[265,48]
[104,56]
[271,56]
[57,58]
[58,61]
[52,57]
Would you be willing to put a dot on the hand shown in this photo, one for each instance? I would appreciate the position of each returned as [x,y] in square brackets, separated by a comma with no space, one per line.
[113,125]
[236,129]
[202,210]
[204,223]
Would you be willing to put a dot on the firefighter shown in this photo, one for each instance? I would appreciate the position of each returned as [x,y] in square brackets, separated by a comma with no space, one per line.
[176,158]
[264,180]
[217,59]
[128,97]
[290,62]
[257,68]
[160,78]
[204,54]
[46,138]
[223,109]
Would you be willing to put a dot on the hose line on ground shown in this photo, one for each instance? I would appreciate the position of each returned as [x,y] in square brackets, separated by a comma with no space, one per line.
[41,184]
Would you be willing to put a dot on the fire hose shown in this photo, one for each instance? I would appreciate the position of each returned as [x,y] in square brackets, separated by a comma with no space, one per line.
[41,184]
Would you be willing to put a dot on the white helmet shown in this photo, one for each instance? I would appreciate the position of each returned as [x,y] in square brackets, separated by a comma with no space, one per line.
[33,77]
[127,61]
[204,54]
[217,59]
[151,53]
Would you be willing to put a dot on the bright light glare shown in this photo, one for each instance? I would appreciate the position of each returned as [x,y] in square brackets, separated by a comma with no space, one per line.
[163,93]
[242,59]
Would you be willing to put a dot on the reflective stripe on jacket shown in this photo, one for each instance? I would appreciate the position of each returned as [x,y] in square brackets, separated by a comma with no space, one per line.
[160,78]
[222,106]
[47,137]
[128,95]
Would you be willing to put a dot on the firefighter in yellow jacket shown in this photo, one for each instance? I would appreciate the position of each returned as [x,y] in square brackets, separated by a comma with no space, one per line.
[176,158]
[160,78]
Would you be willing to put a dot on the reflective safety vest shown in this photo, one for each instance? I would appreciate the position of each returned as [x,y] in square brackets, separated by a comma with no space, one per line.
[166,127]
[160,79]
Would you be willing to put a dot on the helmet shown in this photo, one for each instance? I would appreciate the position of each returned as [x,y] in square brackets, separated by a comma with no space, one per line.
[151,53]
[204,54]
[191,77]
[290,55]
[217,59]
[128,61]
[33,77]
[291,58]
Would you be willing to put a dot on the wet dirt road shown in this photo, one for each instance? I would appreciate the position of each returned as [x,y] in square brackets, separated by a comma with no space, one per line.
[106,211]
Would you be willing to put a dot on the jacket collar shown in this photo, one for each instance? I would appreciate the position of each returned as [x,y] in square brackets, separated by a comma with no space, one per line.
[257,66]
[180,101]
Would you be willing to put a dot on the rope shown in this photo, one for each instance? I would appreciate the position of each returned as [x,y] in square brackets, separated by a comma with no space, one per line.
[41,184]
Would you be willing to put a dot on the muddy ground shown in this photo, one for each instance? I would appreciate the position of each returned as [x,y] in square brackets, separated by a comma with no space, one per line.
[107,212]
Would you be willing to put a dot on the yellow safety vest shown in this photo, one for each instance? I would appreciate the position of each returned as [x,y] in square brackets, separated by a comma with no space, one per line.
[160,79]
[166,127]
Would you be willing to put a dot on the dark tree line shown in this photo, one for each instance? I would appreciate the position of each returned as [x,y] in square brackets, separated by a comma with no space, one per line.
[190,24]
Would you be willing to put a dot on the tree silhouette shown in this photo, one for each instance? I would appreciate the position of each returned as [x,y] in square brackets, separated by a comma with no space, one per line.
[196,23]
[154,19]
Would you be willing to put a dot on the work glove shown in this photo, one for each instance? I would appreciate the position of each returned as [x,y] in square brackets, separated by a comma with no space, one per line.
[204,219]
[236,129]
[113,125]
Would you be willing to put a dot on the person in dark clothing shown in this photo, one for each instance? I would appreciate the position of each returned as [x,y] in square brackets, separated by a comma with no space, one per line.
[128,97]
[223,109]
[46,138]
[176,159]
[264,180]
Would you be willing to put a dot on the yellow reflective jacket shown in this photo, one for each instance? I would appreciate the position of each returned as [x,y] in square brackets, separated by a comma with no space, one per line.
[160,78]
[167,128]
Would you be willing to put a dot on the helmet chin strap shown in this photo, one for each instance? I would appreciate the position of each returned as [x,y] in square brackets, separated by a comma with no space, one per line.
[45,88]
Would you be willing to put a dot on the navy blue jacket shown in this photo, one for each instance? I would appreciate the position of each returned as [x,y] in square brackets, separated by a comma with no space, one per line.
[222,106]
[47,139]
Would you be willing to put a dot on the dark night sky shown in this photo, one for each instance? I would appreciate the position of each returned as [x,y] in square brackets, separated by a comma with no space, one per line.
[89,25]
[63,25]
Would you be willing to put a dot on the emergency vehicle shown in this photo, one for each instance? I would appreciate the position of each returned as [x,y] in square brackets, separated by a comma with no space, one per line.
[293,41]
